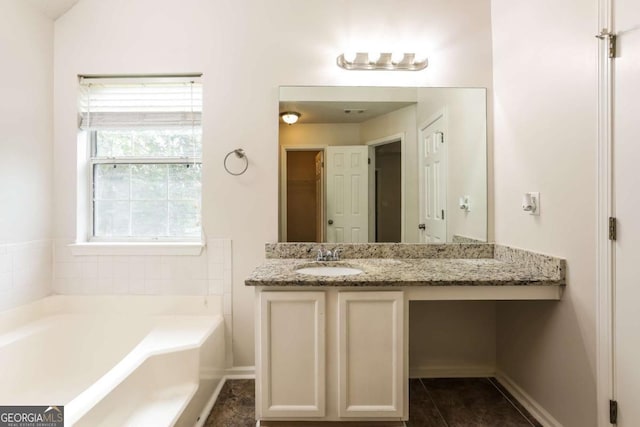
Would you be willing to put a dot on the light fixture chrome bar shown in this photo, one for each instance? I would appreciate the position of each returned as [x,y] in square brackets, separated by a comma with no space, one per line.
[363,61]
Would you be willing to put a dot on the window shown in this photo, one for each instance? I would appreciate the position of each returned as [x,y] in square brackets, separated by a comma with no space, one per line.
[145,157]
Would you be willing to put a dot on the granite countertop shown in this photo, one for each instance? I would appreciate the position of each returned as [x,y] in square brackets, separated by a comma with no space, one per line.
[510,271]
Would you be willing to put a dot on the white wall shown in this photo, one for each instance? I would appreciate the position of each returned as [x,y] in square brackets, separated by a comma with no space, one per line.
[466,116]
[545,82]
[26,88]
[246,49]
[319,134]
[452,338]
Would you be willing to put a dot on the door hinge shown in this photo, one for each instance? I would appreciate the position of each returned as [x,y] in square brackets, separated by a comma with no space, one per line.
[611,38]
[613,228]
[368,160]
[442,210]
[613,411]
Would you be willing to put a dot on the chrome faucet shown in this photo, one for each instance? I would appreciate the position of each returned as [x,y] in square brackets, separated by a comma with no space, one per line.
[328,255]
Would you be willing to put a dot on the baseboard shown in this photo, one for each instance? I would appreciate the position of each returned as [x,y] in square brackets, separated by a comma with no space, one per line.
[209,406]
[529,403]
[241,373]
[235,373]
[452,371]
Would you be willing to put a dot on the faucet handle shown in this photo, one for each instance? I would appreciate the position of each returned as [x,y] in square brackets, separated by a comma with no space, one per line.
[336,254]
[320,256]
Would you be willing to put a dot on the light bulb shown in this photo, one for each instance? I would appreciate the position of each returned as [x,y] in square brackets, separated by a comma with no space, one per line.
[349,56]
[419,58]
[374,57]
[397,57]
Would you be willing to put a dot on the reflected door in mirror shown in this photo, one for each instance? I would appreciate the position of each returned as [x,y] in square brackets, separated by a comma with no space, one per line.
[433,171]
[347,198]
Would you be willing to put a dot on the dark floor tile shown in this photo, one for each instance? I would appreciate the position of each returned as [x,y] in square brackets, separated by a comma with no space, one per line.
[235,406]
[422,411]
[442,402]
[515,403]
[472,402]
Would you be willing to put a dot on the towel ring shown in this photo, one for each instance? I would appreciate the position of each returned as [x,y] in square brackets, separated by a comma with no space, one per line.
[239,152]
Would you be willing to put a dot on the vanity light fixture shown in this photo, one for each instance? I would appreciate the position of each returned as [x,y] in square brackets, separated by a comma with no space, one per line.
[381,61]
[290,117]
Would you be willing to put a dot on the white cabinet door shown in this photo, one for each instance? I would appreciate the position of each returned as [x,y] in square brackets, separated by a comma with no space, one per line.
[371,354]
[291,375]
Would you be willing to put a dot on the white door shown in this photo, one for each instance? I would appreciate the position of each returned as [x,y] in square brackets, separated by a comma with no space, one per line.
[371,354]
[290,381]
[371,194]
[347,201]
[432,165]
[626,158]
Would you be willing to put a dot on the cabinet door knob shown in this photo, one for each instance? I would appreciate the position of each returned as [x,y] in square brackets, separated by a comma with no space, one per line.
[422,226]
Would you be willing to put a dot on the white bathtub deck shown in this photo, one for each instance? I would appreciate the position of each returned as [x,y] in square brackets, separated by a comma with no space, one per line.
[166,362]
[114,361]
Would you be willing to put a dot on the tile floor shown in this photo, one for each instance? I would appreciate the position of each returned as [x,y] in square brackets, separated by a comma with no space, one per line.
[434,402]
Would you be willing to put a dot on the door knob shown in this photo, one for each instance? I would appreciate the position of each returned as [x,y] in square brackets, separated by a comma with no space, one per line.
[330,222]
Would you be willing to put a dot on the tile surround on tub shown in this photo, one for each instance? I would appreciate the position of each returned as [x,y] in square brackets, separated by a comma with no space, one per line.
[204,274]
[382,250]
[209,273]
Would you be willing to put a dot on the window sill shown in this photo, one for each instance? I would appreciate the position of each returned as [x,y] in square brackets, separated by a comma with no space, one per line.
[137,248]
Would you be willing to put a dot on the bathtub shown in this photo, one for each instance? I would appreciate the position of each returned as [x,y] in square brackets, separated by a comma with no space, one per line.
[114,360]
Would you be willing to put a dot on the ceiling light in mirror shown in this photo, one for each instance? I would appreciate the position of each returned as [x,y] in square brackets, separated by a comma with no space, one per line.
[290,117]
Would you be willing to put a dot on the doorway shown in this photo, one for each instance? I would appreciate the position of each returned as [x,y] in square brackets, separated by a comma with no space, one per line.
[388,194]
[304,196]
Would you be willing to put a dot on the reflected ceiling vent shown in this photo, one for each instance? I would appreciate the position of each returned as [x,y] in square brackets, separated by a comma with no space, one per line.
[354,110]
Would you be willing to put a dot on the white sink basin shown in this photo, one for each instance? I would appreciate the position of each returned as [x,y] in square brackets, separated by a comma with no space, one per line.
[329,271]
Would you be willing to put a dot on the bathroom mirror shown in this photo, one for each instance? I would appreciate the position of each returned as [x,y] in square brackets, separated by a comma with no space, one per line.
[383,164]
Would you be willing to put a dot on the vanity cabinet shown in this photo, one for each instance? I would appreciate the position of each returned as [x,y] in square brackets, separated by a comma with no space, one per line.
[291,371]
[331,355]
[371,354]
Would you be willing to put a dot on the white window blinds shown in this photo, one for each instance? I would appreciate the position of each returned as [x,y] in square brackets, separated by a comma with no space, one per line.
[113,103]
